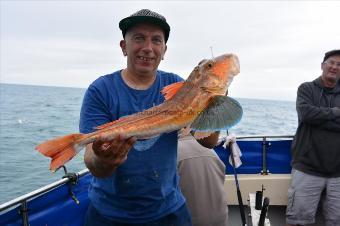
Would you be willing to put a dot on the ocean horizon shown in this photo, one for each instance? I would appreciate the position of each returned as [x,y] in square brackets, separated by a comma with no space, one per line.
[31,114]
[84,88]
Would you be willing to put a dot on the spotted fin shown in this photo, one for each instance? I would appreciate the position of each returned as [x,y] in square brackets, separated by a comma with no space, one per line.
[170,90]
[222,113]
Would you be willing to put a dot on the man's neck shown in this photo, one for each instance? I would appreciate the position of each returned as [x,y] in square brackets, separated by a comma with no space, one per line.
[328,83]
[139,82]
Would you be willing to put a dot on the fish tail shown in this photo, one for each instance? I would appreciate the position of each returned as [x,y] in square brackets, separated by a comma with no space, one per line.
[61,149]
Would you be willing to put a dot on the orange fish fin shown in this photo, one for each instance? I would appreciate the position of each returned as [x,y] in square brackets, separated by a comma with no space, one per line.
[200,135]
[61,149]
[170,90]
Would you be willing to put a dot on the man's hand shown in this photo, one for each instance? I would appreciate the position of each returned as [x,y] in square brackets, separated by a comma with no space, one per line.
[104,156]
[210,141]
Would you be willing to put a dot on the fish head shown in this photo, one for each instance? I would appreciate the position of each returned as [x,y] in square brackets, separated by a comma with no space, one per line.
[215,75]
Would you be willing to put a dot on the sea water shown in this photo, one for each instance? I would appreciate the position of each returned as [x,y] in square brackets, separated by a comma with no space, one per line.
[30,115]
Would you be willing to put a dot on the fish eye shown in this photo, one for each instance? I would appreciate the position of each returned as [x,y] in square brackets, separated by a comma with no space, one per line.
[209,64]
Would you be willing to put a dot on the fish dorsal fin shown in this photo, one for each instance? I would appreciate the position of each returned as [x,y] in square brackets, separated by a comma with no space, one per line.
[222,113]
[170,90]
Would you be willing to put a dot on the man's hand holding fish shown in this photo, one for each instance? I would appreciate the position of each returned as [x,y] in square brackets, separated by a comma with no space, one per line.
[108,154]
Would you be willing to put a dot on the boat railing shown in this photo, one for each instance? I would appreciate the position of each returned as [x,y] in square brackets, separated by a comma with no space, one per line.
[265,170]
[266,143]
[264,137]
[22,200]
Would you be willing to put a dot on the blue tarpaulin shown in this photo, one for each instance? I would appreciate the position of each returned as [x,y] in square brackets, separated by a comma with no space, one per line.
[278,156]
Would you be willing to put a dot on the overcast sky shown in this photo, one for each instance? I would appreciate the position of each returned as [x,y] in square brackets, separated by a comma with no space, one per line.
[280,44]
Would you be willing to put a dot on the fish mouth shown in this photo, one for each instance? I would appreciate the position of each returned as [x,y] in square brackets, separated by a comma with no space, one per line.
[234,68]
[235,65]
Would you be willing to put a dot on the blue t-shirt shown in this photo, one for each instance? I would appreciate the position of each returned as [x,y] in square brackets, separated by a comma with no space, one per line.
[146,186]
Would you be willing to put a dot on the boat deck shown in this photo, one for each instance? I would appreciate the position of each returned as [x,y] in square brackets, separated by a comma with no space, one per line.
[276,215]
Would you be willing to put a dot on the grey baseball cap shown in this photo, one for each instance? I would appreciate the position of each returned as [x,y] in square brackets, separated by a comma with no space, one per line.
[335,52]
[145,16]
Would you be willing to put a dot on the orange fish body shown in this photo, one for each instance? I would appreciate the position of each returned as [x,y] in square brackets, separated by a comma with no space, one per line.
[193,103]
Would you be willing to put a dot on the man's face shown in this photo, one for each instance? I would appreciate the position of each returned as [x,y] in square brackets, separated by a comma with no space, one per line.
[145,47]
[331,69]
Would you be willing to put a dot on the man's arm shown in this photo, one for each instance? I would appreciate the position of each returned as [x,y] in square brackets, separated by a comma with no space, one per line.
[322,117]
[210,141]
[102,157]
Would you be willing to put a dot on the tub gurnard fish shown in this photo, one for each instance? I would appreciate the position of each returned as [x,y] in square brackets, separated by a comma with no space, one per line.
[198,103]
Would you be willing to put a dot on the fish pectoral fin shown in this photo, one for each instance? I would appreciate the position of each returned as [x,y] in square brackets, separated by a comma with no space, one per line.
[170,90]
[222,113]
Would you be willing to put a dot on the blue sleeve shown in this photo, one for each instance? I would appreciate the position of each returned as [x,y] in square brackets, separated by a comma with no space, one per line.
[178,78]
[170,78]
[94,110]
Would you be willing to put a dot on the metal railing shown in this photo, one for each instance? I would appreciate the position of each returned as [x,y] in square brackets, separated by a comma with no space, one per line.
[265,144]
[264,137]
[22,200]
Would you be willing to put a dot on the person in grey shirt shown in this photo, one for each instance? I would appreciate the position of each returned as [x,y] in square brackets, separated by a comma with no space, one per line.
[202,182]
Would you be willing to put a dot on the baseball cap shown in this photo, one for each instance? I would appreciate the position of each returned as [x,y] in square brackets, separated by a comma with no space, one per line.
[335,52]
[145,16]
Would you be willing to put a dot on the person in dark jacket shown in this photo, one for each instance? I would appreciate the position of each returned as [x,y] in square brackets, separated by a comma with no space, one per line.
[316,148]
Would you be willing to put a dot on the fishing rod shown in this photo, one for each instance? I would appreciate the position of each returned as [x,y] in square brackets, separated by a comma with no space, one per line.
[239,196]
[264,211]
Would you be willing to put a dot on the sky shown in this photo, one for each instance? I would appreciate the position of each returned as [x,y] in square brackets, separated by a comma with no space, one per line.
[280,44]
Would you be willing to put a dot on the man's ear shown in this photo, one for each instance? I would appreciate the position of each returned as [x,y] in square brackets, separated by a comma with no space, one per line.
[123,47]
[322,65]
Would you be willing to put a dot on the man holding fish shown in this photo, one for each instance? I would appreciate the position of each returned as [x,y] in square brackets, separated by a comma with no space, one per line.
[129,122]
[132,193]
